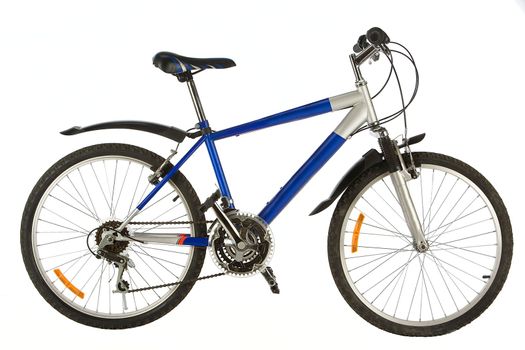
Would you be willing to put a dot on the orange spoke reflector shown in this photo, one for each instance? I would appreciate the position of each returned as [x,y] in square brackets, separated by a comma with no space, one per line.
[357,229]
[68,284]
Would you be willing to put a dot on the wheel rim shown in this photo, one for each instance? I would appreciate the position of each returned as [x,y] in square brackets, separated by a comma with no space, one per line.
[422,289]
[58,241]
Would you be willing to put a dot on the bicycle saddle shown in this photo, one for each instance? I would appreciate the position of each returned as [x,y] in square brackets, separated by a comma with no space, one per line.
[176,64]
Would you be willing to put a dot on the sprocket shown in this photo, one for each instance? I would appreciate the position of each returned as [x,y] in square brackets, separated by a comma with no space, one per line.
[258,241]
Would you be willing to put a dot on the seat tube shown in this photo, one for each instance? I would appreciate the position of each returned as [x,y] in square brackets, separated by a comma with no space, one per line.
[217,168]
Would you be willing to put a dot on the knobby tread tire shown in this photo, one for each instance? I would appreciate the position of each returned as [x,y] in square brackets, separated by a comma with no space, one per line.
[45,181]
[370,316]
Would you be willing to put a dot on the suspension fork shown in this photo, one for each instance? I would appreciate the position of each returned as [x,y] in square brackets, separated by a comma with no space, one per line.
[400,176]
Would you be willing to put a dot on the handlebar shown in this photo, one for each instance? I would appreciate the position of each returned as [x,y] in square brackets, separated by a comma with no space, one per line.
[374,36]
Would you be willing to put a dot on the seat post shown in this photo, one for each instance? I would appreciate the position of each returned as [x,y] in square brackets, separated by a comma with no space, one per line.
[196,99]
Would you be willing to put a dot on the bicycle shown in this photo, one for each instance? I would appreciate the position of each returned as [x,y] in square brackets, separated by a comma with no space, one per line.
[419,244]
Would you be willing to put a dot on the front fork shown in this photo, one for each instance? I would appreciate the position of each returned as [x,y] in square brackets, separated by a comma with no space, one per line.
[400,176]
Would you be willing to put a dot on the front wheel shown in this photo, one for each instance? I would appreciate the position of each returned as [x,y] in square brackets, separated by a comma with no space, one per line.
[61,227]
[400,290]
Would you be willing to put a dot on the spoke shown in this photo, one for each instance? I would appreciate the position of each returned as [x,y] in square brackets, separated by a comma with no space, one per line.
[439,267]
[415,288]
[391,192]
[166,250]
[435,293]
[397,282]
[100,186]
[403,284]
[465,226]
[121,187]
[395,228]
[468,250]
[153,290]
[67,262]
[156,260]
[450,274]
[156,257]
[89,279]
[395,211]
[433,198]
[456,220]
[369,262]
[389,283]
[461,213]
[100,285]
[375,268]
[76,273]
[89,196]
[468,246]
[84,205]
[133,294]
[166,195]
[378,227]
[390,274]
[454,206]
[461,270]
[464,238]
[384,248]
[61,240]
[135,191]
[79,194]
[422,206]
[62,226]
[113,189]
[426,290]
[63,218]
[471,261]
[62,254]
[72,206]
[442,203]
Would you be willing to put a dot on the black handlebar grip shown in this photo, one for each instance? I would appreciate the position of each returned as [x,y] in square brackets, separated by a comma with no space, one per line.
[376,36]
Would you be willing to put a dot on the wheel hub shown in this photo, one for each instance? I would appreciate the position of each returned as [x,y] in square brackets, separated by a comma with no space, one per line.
[118,246]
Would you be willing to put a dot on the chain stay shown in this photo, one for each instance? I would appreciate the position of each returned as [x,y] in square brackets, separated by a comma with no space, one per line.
[178,282]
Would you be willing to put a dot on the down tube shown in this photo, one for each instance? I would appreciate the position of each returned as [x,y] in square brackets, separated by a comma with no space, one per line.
[316,161]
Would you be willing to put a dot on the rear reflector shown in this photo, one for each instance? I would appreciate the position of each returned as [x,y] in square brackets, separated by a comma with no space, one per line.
[68,284]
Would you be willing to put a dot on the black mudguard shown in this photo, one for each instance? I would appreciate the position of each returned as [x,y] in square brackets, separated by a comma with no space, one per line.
[171,132]
[368,160]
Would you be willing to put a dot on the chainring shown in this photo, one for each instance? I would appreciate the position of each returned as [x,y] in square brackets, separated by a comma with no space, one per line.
[253,231]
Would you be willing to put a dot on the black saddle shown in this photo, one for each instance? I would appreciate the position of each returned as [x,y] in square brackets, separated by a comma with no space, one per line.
[176,64]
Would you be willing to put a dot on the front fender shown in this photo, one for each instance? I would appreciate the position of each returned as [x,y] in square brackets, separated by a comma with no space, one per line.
[368,160]
[170,132]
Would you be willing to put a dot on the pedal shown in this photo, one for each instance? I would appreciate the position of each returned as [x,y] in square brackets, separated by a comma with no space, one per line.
[269,276]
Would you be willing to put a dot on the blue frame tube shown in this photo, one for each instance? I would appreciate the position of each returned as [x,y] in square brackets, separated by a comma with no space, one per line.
[316,161]
[291,115]
[217,168]
[170,174]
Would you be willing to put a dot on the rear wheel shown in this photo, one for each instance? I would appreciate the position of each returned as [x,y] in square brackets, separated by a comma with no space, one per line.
[396,288]
[100,185]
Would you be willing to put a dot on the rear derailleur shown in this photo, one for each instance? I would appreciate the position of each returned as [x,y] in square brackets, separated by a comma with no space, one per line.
[120,260]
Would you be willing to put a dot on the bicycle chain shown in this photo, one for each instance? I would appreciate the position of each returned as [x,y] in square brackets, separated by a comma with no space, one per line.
[178,282]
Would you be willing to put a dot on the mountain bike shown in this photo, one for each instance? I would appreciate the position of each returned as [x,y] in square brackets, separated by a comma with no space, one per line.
[419,244]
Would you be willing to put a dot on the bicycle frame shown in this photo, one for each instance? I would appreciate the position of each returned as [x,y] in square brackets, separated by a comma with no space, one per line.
[354,119]
[362,112]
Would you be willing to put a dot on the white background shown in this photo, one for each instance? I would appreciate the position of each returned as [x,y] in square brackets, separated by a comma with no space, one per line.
[65,63]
